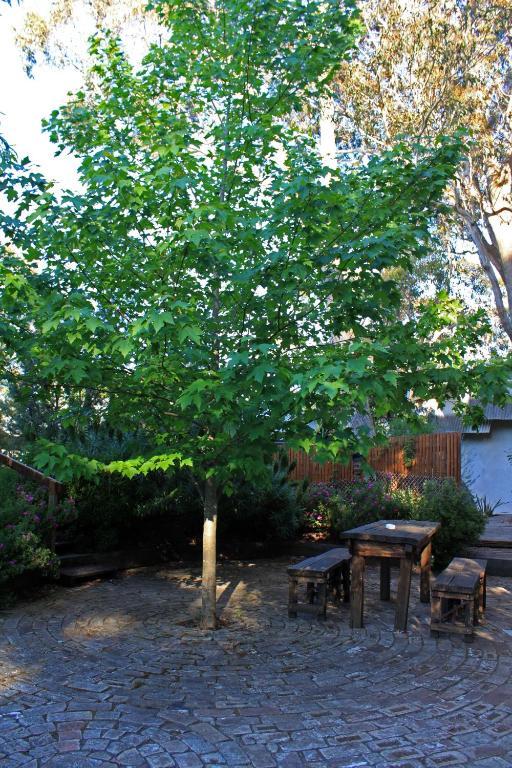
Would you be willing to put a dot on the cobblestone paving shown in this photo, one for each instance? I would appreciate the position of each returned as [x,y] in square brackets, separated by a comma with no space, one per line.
[116,674]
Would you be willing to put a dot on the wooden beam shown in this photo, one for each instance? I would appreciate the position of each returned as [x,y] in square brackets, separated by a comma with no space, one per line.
[55,487]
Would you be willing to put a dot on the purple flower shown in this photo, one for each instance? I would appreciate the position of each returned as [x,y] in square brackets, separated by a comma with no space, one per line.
[37,519]
[2,545]
[12,562]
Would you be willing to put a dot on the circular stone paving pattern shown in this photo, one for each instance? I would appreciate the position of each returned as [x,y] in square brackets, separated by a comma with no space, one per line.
[117,674]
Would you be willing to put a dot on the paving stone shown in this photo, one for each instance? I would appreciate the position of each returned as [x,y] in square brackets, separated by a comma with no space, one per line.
[117,674]
[189,760]
[160,761]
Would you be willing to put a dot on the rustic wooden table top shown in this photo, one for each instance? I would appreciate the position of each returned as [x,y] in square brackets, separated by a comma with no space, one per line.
[414,532]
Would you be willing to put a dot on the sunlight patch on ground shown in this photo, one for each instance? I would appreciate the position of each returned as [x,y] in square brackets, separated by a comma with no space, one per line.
[99,626]
[13,674]
[499,591]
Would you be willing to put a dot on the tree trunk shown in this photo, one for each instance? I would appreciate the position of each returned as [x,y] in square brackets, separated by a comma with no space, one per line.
[209,581]
[491,233]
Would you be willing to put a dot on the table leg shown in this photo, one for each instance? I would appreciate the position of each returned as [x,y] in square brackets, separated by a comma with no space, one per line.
[385,579]
[345,572]
[404,588]
[357,592]
[425,574]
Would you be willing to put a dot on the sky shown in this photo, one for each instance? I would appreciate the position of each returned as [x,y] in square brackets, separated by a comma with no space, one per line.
[24,102]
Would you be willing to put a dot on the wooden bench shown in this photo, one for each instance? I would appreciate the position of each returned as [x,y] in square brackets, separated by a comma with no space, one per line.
[331,569]
[459,597]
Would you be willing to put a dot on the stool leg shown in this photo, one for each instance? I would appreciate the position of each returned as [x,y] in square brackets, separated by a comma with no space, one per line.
[335,582]
[292,597]
[469,619]
[435,614]
[322,600]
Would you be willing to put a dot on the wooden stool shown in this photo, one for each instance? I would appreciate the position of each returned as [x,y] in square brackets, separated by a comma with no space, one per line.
[319,573]
[459,590]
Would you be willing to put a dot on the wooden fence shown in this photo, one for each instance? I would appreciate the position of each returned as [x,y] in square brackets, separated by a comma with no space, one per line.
[423,456]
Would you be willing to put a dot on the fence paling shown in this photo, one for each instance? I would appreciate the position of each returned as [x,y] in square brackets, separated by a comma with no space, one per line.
[435,455]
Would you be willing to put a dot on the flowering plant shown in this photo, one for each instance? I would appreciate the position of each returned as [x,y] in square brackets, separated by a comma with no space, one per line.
[27,527]
[316,515]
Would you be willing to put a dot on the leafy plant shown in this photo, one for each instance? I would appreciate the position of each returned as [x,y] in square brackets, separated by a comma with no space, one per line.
[486,507]
[409,451]
[461,520]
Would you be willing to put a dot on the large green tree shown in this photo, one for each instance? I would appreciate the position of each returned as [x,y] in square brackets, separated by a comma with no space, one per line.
[211,279]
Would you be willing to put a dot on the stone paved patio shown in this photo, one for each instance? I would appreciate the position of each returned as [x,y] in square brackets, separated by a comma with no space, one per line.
[115,674]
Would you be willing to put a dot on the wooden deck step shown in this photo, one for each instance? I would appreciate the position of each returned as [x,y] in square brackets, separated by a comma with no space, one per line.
[76,574]
[499,559]
[497,533]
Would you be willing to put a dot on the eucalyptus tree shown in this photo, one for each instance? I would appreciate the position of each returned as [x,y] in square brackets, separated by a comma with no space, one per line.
[425,67]
[211,279]
[54,33]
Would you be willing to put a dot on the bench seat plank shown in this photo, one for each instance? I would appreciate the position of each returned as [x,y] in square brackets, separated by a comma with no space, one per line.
[320,564]
[462,575]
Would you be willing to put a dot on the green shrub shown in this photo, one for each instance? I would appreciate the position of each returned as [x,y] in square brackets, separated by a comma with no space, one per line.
[165,510]
[271,512]
[461,521]
[254,513]
[159,509]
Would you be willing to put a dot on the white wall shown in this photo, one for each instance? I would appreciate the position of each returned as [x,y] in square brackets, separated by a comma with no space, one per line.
[485,467]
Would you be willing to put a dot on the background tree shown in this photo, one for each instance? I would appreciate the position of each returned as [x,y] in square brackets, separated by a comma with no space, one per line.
[429,66]
[59,34]
[214,282]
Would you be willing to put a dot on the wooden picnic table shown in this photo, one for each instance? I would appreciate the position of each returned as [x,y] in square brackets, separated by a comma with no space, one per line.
[407,540]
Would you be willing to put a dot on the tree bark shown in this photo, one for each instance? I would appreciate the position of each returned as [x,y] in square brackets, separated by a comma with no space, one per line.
[495,249]
[209,580]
